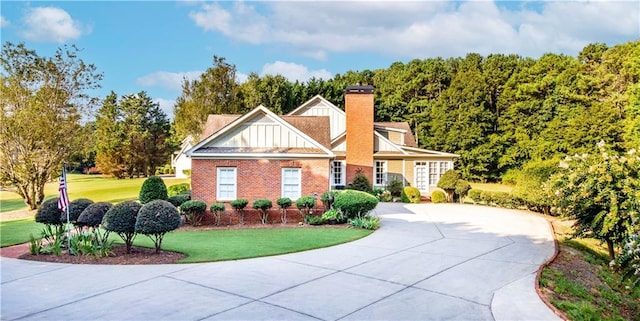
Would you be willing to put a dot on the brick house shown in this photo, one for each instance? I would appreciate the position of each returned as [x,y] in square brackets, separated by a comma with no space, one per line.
[314,148]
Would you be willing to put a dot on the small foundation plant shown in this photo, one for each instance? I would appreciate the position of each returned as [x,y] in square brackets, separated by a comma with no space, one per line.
[263,205]
[284,203]
[239,206]
[217,209]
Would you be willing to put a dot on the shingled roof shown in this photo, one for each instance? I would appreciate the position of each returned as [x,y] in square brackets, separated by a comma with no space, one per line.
[215,123]
[409,139]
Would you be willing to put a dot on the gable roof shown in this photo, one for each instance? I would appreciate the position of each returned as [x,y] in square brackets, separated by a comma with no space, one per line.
[309,102]
[220,125]
[409,139]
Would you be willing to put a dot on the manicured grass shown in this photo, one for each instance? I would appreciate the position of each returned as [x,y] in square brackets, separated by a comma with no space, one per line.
[492,187]
[221,245]
[17,232]
[93,187]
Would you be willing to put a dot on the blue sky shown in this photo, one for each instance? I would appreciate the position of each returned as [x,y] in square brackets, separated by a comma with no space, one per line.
[152,45]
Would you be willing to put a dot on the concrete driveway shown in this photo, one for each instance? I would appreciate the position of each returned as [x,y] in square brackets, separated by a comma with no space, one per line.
[427,262]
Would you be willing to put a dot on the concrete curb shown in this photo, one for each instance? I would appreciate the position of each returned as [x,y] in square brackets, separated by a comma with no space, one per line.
[539,273]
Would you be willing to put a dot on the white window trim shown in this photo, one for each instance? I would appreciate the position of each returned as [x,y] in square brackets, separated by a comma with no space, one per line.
[235,184]
[299,182]
[384,173]
[343,168]
[425,166]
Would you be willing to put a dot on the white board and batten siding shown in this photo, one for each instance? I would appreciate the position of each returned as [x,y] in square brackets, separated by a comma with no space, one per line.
[337,118]
[262,132]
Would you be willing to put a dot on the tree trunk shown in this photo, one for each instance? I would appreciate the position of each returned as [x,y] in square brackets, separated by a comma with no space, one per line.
[612,253]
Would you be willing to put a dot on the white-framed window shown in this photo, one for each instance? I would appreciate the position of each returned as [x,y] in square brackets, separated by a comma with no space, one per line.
[291,183]
[433,173]
[227,184]
[380,178]
[337,173]
[421,174]
[444,166]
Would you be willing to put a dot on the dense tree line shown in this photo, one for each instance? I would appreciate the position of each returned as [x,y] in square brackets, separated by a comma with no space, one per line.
[497,112]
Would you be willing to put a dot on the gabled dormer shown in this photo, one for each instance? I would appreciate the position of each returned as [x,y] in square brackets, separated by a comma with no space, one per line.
[318,106]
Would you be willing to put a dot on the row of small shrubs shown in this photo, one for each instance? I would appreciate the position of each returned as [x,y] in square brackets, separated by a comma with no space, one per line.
[498,199]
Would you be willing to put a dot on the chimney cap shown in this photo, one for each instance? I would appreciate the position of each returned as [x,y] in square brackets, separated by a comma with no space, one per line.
[359,89]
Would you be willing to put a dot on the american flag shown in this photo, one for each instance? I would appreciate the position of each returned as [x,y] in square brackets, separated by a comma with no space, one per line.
[63,200]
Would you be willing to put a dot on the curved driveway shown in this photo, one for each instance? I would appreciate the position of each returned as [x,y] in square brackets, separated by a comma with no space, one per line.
[427,261]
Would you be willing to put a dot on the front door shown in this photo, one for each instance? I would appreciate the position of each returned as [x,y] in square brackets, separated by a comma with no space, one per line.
[421,173]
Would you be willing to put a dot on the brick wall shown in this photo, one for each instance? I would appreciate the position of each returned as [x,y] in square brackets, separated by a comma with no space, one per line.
[260,178]
[360,144]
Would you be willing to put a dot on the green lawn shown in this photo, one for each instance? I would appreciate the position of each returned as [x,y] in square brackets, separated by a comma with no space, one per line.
[93,187]
[222,245]
[17,232]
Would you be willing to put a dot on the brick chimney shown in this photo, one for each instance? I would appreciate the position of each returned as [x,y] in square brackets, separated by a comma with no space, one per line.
[358,101]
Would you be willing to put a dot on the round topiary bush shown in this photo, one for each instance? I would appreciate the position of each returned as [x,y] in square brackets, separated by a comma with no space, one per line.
[76,207]
[438,197]
[155,219]
[153,188]
[284,203]
[92,215]
[48,213]
[412,194]
[193,211]
[475,195]
[121,219]
[305,203]
[178,200]
[360,183]
[462,189]
[264,205]
[448,182]
[352,203]
[217,209]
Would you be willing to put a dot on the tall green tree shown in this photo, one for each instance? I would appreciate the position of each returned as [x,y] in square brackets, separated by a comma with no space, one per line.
[43,101]
[215,92]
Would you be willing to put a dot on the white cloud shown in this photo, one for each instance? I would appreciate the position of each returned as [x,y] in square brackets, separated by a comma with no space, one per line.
[241,77]
[166,105]
[293,71]
[168,80]
[51,24]
[423,28]
[4,22]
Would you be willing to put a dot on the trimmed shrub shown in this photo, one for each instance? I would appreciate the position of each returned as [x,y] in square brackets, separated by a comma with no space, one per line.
[264,205]
[153,188]
[412,194]
[354,204]
[448,182]
[360,183]
[486,197]
[313,220]
[193,211]
[395,187]
[155,219]
[326,198]
[284,203]
[178,189]
[530,183]
[366,222]
[462,189]
[403,197]
[48,213]
[438,196]
[217,209]
[305,204]
[385,197]
[178,200]
[92,215]
[510,177]
[238,206]
[121,219]
[75,209]
[474,194]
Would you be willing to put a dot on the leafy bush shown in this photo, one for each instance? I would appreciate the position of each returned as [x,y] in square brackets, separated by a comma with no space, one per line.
[403,197]
[412,194]
[155,219]
[376,191]
[305,204]
[487,197]
[238,206]
[75,209]
[193,211]
[395,187]
[475,194]
[178,200]
[385,197]
[48,213]
[504,199]
[92,215]
[264,205]
[153,188]
[438,196]
[629,260]
[530,184]
[462,189]
[284,203]
[448,182]
[333,216]
[367,222]
[178,189]
[313,220]
[360,183]
[328,197]
[121,219]
[91,243]
[510,177]
[353,203]
[217,209]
